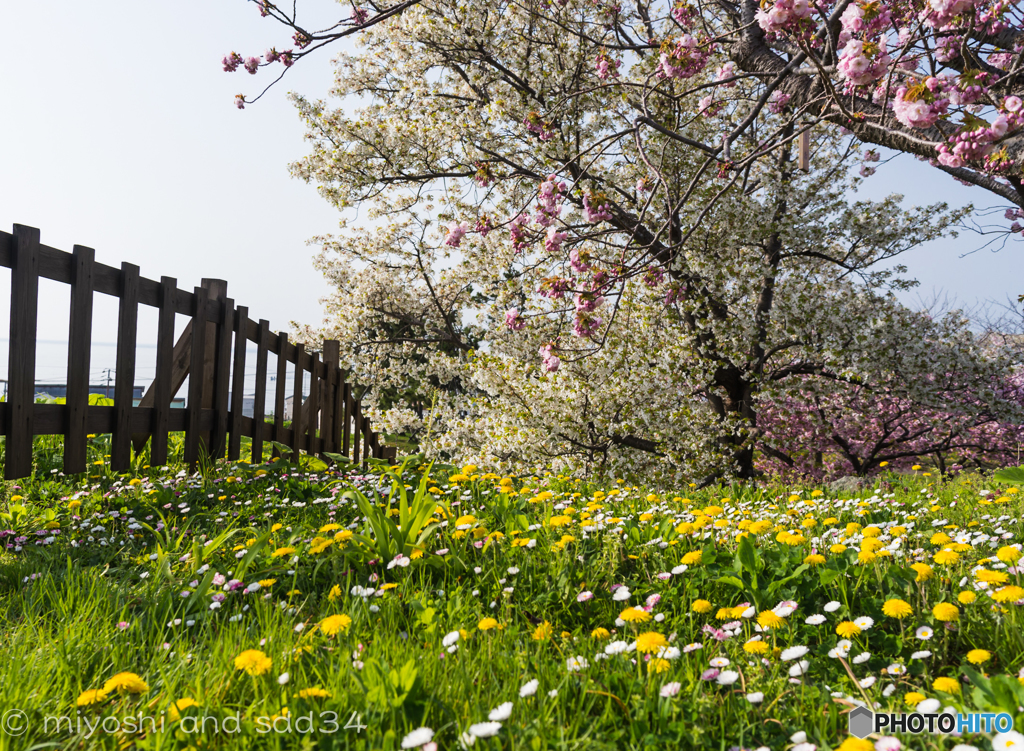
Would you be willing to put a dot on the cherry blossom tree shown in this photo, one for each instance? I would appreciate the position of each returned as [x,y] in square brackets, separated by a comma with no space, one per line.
[531,179]
[856,429]
[939,79]
[503,356]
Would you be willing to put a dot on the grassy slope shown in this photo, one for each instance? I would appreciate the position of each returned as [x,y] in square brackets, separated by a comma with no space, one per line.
[128,576]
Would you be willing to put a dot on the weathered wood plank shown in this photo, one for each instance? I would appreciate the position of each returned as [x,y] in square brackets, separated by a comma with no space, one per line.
[312,418]
[162,389]
[259,428]
[328,427]
[21,363]
[280,385]
[79,351]
[298,443]
[238,383]
[124,377]
[221,381]
[195,384]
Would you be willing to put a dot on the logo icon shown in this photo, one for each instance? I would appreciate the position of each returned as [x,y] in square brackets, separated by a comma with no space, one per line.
[861,722]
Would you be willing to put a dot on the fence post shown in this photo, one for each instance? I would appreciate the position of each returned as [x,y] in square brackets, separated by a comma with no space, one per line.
[238,382]
[21,362]
[346,422]
[222,380]
[79,346]
[195,381]
[217,293]
[329,427]
[260,400]
[300,376]
[279,387]
[124,378]
[313,414]
[161,388]
[357,431]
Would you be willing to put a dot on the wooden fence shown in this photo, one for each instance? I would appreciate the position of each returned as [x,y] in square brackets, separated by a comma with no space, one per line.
[212,348]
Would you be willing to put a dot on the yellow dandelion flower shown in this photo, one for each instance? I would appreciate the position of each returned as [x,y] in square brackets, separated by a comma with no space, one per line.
[946,685]
[756,647]
[946,557]
[896,608]
[814,559]
[945,612]
[871,544]
[126,683]
[486,624]
[993,577]
[846,629]
[174,711]
[924,571]
[650,641]
[966,597]
[281,552]
[1008,554]
[913,698]
[1011,593]
[542,632]
[319,545]
[769,619]
[600,633]
[253,662]
[724,614]
[658,665]
[91,696]
[635,615]
[701,606]
[335,624]
[315,693]
[978,656]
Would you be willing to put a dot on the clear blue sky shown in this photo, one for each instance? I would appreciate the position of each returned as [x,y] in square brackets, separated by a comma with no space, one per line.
[119,132]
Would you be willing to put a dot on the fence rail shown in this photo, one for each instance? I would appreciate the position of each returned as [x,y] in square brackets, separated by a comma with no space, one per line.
[212,348]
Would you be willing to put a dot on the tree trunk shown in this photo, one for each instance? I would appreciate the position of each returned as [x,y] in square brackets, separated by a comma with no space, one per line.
[736,408]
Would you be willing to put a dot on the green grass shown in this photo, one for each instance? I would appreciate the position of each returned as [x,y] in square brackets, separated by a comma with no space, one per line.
[117,574]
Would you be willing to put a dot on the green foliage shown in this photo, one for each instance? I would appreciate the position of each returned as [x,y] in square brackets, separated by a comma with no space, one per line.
[386,537]
[1010,474]
[173,576]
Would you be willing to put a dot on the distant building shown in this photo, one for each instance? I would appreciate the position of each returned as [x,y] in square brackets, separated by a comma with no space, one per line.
[288,400]
[248,403]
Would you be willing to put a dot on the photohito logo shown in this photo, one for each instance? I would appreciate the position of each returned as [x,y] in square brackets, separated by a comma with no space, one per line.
[862,722]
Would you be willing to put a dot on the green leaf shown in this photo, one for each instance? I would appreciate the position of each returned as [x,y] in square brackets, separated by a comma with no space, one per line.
[285,450]
[828,575]
[776,585]
[731,580]
[747,557]
[247,560]
[1010,474]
